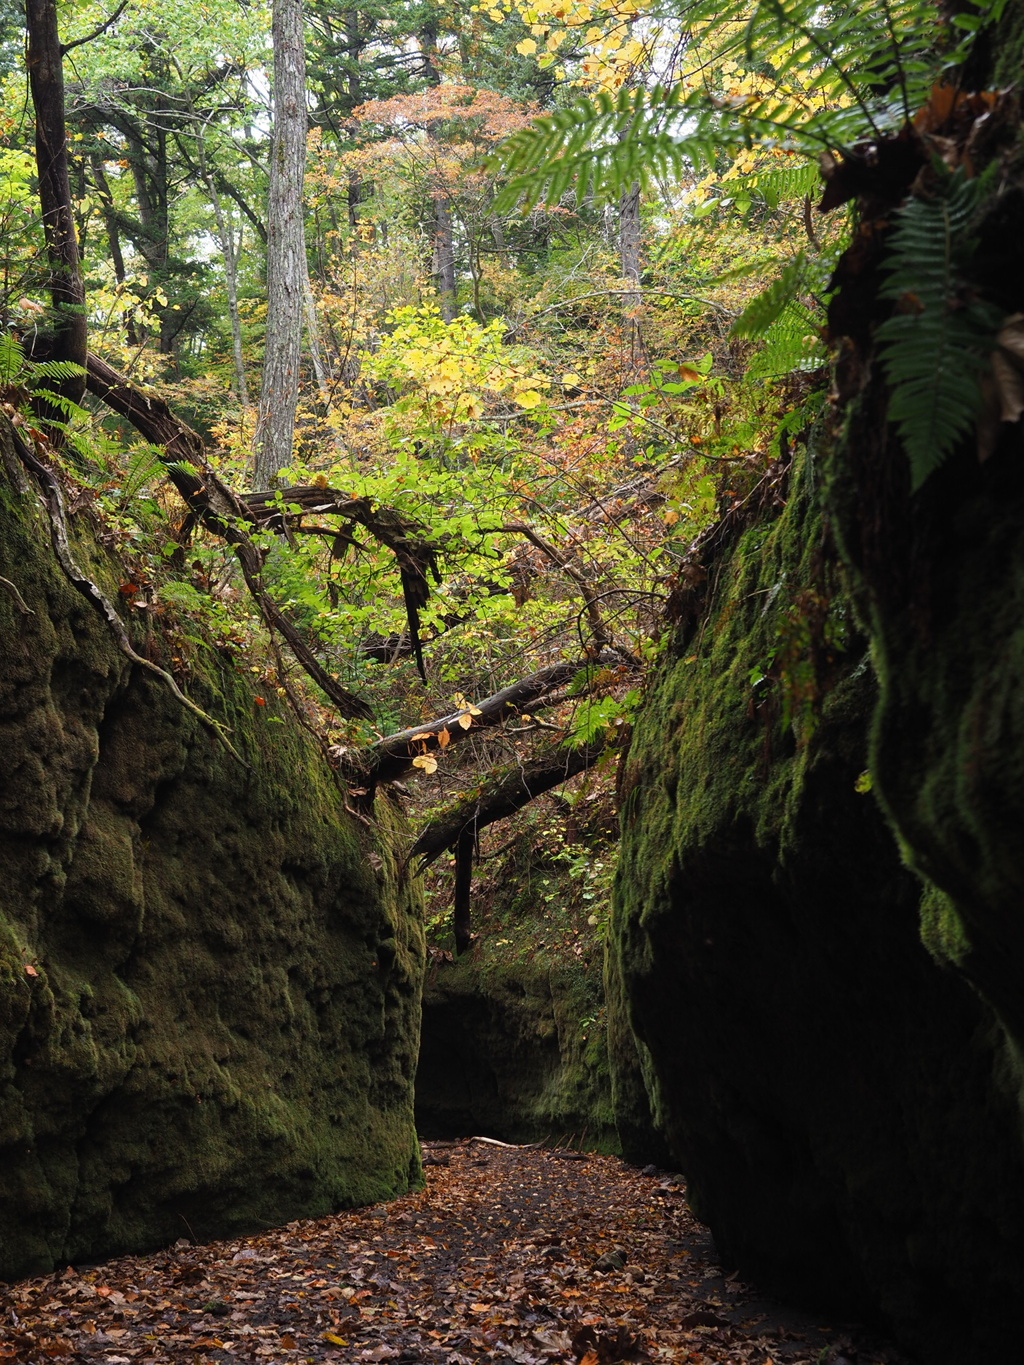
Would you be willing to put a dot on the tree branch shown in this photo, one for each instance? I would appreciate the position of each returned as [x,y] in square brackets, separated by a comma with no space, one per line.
[65,48]
[597,626]
[232,517]
[500,795]
[393,755]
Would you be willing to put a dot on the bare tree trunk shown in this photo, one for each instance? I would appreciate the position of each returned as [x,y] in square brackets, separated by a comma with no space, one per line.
[444,255]
[629,255]
[113,239]
[286,247]
[226,238]
[67,290]
[313,337]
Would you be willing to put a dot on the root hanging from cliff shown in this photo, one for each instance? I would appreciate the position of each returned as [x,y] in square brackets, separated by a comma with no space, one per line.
[53,502]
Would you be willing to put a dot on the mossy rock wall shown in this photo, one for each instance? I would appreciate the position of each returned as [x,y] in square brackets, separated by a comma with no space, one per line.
[939,579]
[841,1104]
[513,1051]
[209,985]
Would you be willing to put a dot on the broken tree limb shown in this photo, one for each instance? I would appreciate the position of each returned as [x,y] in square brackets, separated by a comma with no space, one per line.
[598,630]
[234,518]
[216,506]
[415,556]
[502,794]
[393,755]
[16,597]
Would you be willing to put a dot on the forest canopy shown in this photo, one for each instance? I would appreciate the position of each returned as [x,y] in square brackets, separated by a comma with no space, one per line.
[410,351]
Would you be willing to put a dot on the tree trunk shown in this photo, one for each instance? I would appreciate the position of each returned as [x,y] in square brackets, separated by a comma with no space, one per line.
[286,247]
[444,255]
[67,291]
[462,914]
[226,239]
[629,256]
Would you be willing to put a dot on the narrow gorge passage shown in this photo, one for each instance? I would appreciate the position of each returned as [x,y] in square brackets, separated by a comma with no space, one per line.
[496,1260]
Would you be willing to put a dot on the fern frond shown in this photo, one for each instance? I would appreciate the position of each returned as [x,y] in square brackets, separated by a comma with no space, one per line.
[833,75]
[766,307]
[144,466]
[793,342]
[12,357]
[55,399]
[776,186]
[937,346]
[55,369]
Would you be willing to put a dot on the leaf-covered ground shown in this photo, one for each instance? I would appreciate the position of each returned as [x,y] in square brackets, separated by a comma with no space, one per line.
[510,1256]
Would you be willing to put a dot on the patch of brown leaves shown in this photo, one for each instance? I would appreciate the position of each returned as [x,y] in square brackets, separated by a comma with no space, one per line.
[495,1261]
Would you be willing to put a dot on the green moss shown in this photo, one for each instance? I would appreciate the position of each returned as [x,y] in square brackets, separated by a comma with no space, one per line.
[942,931]
[514,1032]
[219,1026]
[840,1103]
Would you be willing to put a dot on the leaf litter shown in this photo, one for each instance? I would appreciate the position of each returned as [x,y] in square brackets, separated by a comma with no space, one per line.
[509,1256]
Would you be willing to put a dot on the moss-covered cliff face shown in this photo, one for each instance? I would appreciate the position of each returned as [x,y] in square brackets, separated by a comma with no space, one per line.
[209,985]
[514,1050]
[939,579]
[843,1105]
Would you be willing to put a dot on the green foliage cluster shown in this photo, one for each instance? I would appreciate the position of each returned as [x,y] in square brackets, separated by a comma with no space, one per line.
[937,344]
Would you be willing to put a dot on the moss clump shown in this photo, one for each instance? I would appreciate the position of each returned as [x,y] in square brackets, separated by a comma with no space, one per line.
[841,1105]
[209,980]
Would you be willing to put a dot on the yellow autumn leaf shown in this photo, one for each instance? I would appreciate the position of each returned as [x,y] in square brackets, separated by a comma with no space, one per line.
[425,761]
[571,379]
[527,47]
[529,398]
[496,15]
[444,737]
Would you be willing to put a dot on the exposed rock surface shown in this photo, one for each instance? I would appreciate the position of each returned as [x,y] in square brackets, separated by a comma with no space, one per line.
[506,1053]
[209,985]
[843,1106]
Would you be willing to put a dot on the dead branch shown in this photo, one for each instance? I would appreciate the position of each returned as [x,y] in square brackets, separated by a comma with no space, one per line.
[393,755]
[233,518]
[598,630]
[16,596]
[415,556]
[500,795]
[216,506]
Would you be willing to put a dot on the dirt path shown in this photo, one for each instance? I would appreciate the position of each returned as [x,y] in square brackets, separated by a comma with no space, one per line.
[496,1261]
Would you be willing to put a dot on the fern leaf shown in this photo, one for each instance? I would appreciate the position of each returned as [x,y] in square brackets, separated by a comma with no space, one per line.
[55,399]
[12,357]
[936,347]
[768,305]
[862,70]
[792,343]
[55,369]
